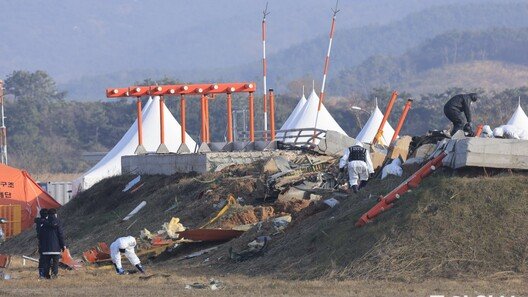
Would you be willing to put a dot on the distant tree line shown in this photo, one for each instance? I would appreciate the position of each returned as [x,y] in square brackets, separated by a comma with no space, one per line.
[49,134]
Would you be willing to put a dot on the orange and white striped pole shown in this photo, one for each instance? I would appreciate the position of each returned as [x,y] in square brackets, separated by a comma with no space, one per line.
[325,70]
[264,70]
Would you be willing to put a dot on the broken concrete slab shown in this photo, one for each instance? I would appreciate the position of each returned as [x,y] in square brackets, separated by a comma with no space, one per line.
[401,148]
[335,143]
[488,152]
[378,154]
[425,150]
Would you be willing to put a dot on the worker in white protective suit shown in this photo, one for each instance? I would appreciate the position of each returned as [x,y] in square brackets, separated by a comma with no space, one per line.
[125,245]
[359,166]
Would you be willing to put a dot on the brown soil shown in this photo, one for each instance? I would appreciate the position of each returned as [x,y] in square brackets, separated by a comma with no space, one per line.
[171,281]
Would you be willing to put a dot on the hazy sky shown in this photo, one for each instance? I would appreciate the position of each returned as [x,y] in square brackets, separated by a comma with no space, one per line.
[74,38]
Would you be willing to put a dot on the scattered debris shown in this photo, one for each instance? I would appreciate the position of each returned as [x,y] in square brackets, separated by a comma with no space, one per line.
[24,258]
[199,253]
[230,201]
[5,260]
[281,223]
[213,285]
[401,147]
[394,168]
[210,234]
[255,248]
[97,254]
[135,210]
[4,276]
[332,202]
[66,259]
[172,228]
[155,275]
[132,183]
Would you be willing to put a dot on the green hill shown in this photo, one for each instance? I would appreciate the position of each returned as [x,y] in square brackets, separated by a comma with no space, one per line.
[352,46]
[435,60]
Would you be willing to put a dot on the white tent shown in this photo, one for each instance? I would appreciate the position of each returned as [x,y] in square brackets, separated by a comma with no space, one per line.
[110,165]
[306,117]
[370,129]
[519,119]
[292,115]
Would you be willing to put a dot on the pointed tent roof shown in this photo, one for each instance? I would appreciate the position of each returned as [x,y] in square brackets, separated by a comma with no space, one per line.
[519,118]
[371,127]
[294,113]
[305,119]
[17,187]
[110,165]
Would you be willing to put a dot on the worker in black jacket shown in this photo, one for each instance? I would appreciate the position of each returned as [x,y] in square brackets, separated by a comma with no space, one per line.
[39,221]
[51,243]
[458,110]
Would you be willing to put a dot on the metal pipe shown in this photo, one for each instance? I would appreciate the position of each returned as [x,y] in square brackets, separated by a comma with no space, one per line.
[202,115]
[229,118]
[479,130]
[272,114]
[139,121]
[327,59]
[162,119]
[264,69]
[251,118]
[325,70]
[207,136]
[182,117]
[402,120]
[379,134]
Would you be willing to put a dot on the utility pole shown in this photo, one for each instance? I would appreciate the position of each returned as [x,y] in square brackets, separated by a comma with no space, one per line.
[3,134]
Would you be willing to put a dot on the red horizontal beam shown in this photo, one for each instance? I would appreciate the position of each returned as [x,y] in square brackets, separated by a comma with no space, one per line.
[182,89]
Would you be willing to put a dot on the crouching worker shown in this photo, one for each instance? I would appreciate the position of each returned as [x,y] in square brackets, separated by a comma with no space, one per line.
[458,110]
[357,159]
[125,245]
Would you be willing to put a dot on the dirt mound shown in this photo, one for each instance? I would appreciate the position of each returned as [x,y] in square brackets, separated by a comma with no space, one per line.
[451,226]
[448,227]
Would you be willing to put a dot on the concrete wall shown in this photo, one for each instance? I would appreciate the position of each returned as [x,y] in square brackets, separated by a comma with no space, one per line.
[487,152]
[168,164]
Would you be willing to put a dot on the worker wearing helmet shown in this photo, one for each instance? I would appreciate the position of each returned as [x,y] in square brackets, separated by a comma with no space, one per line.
[458,110]
[357,159]
[125,245]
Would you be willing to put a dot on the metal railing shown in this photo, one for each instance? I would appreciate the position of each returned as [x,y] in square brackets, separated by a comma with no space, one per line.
[293,137]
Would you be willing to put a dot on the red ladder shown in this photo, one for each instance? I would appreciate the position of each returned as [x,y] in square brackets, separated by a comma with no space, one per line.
[412,182]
